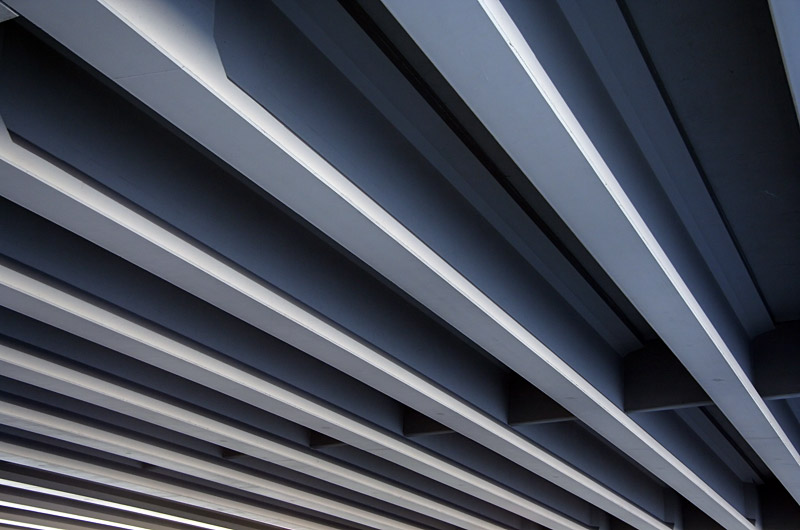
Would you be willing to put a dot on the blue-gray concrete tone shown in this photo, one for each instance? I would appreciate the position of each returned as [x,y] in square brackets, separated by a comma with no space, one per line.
[399,264]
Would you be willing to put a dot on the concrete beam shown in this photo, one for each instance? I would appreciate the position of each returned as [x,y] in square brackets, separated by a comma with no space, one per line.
[18,453]
[29,418]
[605,37]
[656,380]
[46,485]
[58,511]
[384,243]
[628,228]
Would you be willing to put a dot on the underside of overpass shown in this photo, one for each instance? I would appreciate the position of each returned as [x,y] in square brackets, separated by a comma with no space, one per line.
[399,264]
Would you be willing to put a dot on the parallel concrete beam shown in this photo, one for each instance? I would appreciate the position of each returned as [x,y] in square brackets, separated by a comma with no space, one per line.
[431,398]
[385,244]
[18,453]
[34,368]
[26,417]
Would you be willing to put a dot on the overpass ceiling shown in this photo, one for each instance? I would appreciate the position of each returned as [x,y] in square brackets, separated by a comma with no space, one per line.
[398,265]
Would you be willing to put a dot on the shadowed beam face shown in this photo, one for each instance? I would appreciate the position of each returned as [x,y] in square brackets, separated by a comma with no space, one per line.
[656,380]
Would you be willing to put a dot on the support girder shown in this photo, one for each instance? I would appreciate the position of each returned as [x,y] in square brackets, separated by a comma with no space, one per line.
[71,511]
[19,453]
[589,180]
[484,317]
[131,249]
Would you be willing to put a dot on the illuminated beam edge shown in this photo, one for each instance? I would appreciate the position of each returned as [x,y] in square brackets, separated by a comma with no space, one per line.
[67,510]
[21,454]
[62,489]
[32,419]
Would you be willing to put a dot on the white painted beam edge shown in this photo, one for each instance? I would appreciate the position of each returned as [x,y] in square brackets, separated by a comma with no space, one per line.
[25,456]
[48,424]
[67,515]
[109,504]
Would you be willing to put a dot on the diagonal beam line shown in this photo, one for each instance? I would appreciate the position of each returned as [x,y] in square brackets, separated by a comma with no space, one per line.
[33,368]
[570,172]
[71,512]
[31,419]
[24,455]
[103,503]
[147,242]
[717,364]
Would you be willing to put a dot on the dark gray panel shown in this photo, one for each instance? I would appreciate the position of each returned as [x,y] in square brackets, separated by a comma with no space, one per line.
[721,69]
